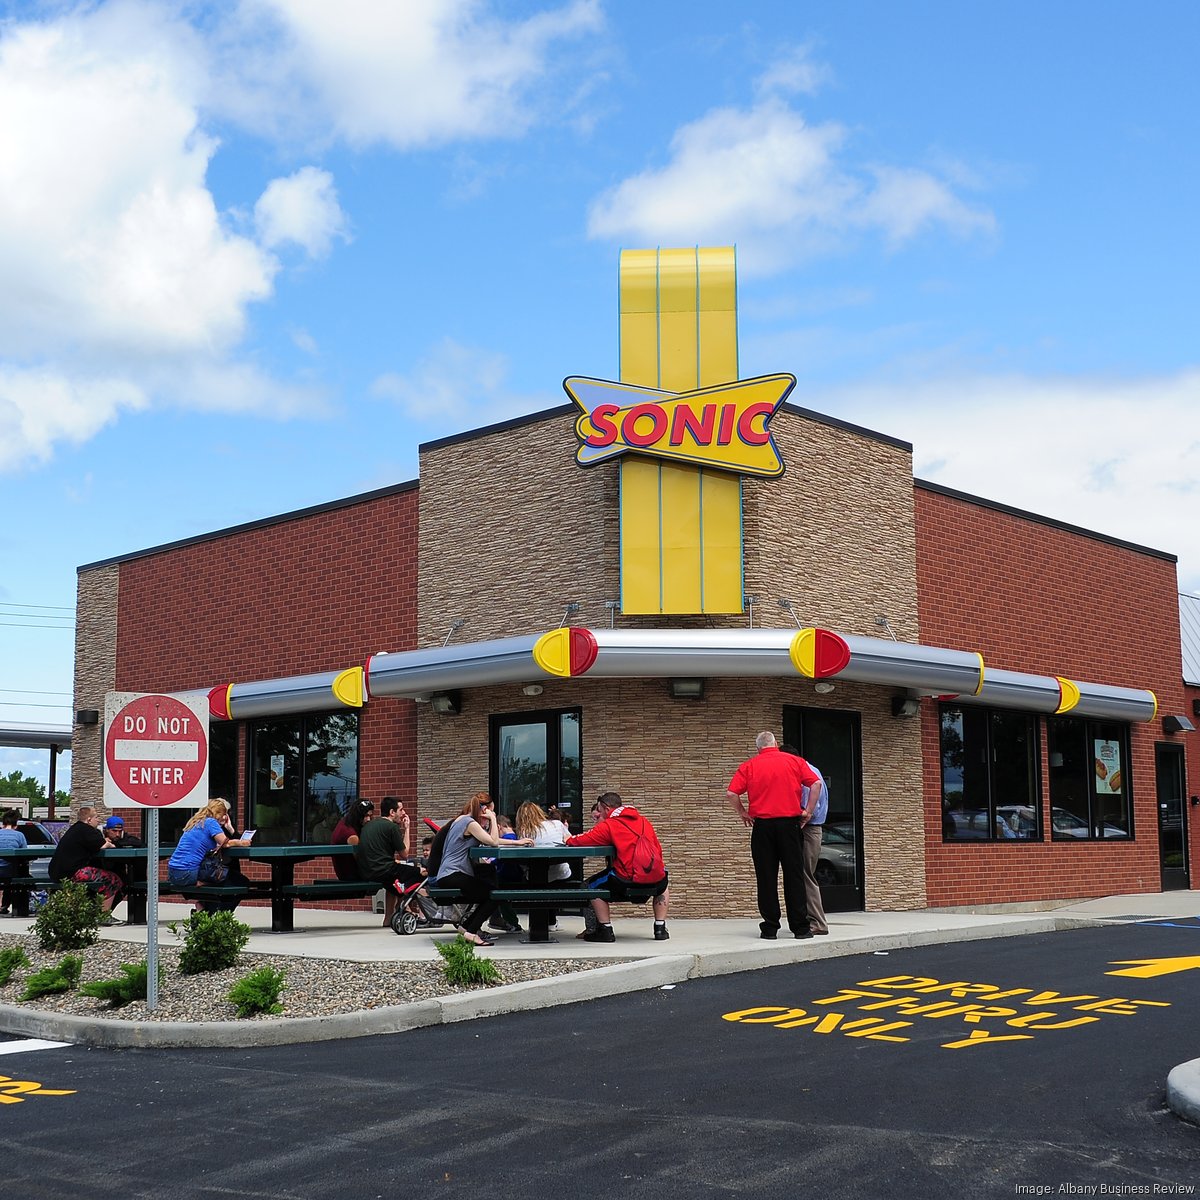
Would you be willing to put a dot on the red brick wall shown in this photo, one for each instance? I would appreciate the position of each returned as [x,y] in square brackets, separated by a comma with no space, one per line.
[316,592]
[1033,597]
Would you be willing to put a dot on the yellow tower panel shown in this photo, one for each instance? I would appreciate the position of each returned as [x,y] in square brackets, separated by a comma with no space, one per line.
[721,514]
[681,545]
[641,544]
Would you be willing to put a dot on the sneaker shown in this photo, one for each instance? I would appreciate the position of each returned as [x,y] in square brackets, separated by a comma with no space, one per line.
[821,932]
[767,932]
[499,925]
[110,921]
[803,933]
[660,933]
[602,933]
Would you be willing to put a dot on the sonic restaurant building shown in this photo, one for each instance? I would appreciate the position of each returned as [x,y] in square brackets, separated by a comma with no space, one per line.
[620,592]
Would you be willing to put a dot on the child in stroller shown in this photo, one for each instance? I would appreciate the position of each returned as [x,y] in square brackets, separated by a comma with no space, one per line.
[415,910]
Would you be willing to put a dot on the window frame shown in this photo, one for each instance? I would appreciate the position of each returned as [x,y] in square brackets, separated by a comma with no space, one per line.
[1091,728]
[551,718]
[253,728]
[988,716]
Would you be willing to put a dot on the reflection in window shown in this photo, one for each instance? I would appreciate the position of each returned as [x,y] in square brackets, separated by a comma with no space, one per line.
[1089,778]
[303,775]
[989,775]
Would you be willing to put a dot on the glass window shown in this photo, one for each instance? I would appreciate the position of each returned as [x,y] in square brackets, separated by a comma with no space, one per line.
[1089,778]
[537,756]
[989,775]
[303,775]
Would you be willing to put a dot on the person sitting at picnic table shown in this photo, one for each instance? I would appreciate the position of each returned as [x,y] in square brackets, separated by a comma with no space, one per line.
[475,827]
[381,850]
[11,838]
[132,870]
[75,859]
[546,829]
[196,860]
[347,833]
[639,863]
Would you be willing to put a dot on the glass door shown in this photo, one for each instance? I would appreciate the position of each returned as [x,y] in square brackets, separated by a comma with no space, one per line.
[830,740]
[1172,828]
[536,756]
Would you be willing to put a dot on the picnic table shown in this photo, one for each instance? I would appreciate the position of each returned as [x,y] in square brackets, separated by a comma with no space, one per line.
[282,890]
[24,883]
[537,893]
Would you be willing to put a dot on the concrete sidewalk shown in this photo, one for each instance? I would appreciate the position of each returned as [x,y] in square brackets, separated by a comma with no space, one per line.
[697,948]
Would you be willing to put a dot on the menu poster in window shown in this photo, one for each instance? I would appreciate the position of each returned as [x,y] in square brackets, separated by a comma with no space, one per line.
[1108,768]
[277,772]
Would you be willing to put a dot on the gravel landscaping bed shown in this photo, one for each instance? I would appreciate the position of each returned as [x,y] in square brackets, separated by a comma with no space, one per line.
[314,987]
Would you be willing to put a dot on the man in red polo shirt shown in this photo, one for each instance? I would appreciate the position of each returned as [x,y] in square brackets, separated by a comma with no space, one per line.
[774,784]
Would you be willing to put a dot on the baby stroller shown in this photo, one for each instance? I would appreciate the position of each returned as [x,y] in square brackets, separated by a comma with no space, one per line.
[415,910]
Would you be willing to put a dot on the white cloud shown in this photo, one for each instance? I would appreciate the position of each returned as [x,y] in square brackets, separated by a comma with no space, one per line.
[107,229]
[1119,457]
[794,70]
[303,209]
[781,188]
[460,387]
[41,407]
[416,73]
[124,286]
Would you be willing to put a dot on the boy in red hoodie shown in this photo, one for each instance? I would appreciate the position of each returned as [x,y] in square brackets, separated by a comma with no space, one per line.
[639,863]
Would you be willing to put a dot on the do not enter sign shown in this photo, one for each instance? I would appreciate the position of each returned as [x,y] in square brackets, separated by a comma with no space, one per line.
[155,751]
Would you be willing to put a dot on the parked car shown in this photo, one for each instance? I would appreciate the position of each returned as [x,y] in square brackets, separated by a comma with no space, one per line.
[836,862]
[39,833]
[1020,818]
[964,824]
[1068,824]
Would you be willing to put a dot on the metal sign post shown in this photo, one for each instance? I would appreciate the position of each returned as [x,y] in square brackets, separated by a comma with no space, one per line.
[152,910]
[155,756]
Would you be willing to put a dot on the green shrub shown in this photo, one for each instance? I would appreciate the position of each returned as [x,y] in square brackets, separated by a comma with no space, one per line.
[70,918]
[50,980]
[258,992]
[211,941]
[10,960]
[462,966]
[131,986]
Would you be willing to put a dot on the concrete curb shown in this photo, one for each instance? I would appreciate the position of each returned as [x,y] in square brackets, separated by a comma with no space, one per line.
[1183,1091]
[615,980]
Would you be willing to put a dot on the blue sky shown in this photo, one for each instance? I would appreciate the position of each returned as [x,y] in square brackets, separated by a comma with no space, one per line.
[256,252]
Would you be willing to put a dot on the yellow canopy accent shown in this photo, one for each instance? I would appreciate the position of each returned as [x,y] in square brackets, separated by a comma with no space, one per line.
[349,687]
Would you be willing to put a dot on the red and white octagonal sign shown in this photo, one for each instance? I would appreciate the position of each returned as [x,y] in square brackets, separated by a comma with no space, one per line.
[155,751]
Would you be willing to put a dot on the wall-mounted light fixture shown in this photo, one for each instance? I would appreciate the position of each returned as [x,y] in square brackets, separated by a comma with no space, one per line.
[824,687]
[87,716]
[532,689]
[1173,723]
[449,704]
[687,689]
[905,706]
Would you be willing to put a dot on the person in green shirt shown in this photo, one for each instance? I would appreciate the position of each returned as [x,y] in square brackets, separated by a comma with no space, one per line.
[381,850]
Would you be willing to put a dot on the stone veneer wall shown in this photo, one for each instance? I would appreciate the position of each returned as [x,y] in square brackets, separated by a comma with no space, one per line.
[511,530]
[95,673]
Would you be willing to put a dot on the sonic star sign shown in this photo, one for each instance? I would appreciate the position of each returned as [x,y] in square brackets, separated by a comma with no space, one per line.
[726,426]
